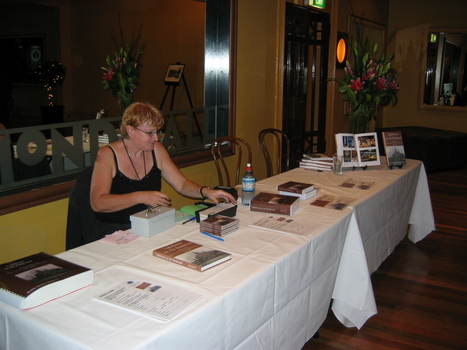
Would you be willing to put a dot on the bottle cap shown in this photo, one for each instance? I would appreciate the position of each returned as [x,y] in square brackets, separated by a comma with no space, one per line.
[248,166]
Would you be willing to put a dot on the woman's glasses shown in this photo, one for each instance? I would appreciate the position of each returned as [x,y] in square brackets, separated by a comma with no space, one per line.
[150,133]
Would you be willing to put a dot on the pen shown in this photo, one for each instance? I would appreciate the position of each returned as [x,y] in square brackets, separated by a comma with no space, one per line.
[215,237]
[191,219]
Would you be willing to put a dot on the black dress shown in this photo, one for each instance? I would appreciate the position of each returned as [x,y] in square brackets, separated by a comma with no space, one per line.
[121,184]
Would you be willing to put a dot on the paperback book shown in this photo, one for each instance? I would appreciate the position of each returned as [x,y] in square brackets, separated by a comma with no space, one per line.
[275,203]
[219,225]
[192,255]
[39,278]
[319,164]
[394,148]
[295,187]
[332,202]
[358,150]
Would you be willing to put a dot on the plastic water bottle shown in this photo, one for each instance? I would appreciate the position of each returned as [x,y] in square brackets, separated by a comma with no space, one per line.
[248,185]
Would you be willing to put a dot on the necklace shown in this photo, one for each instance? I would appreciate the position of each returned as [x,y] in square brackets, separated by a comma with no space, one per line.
[132,164]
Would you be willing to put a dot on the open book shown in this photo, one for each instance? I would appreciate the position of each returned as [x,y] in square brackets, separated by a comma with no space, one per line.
[359,150]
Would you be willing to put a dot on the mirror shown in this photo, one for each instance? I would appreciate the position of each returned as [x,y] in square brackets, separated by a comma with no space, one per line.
[446,69]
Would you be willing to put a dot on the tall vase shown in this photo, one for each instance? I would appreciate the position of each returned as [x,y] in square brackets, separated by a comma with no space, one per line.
[125,98]
[361,117]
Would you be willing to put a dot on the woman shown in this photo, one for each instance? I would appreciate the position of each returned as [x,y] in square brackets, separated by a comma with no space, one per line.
[127,173]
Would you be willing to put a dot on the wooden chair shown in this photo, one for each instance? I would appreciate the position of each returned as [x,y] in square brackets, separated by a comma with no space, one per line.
[244,156]
[281,141]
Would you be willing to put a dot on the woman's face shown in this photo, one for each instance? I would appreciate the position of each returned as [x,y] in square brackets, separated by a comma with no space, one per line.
[143,136]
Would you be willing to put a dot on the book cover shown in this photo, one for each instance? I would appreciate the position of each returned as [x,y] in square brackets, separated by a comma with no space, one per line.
[275,203]
[39,278]
[296,187]
[192,255]
[317,156]
[359,150]
[394,148]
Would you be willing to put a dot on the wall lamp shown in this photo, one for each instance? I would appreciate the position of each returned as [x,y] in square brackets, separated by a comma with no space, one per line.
[341,50]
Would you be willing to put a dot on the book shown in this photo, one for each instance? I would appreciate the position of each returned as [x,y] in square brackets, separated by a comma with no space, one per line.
[359,150]
[219,225]
[275,203]
[394,148]
[295,187]
[192,255]
[39,278]
[302,196]
[161,301]
[319,164]
[316,156]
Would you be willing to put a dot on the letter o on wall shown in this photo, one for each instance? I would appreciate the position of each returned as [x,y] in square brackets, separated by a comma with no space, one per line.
[31,156]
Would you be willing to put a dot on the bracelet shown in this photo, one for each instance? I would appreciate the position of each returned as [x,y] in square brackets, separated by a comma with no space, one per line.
[201,191]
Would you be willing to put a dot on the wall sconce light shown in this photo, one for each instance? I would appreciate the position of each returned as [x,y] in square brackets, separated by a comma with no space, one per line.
[341,50]
[321,4]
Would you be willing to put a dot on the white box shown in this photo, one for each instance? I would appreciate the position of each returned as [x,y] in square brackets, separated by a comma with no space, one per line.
[149,223]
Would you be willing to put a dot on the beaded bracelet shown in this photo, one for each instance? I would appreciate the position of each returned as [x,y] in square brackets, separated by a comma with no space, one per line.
[201,191]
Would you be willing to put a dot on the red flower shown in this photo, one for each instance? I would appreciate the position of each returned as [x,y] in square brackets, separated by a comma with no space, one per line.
[380,83]
[393,85]
[109,74]
[356,85]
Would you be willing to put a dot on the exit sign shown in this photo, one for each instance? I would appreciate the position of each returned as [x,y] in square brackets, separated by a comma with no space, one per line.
[321,4]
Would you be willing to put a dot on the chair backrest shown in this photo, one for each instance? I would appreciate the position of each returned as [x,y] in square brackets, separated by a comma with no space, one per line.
[281,142]
[243,153]
[81,223]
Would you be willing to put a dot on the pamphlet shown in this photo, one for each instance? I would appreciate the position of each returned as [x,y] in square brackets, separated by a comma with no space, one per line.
[332,202]
[285,225]
[152,299]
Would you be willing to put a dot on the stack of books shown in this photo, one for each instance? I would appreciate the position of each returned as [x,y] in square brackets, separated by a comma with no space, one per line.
[275,203]
[219,225]
[316,161]
[298,189]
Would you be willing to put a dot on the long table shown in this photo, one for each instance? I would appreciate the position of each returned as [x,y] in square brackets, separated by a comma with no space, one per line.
[273,294]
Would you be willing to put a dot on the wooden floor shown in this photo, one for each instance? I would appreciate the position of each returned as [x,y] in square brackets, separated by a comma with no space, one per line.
[421,289]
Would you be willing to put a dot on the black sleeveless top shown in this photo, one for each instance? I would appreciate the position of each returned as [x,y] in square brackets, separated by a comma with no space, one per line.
[122,184]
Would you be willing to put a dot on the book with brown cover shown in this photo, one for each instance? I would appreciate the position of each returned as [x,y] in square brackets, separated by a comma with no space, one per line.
[39,278]
[296,187]
[192,255]
[275,203]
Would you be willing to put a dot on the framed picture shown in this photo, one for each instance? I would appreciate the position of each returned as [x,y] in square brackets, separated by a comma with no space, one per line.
[174,73]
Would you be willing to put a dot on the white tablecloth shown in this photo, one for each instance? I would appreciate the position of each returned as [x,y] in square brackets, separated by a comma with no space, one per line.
[273,294]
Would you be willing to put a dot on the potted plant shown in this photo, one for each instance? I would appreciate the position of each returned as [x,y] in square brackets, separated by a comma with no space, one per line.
[51,74]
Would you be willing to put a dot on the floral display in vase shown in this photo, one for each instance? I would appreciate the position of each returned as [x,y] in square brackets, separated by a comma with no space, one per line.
[122,72]
[369,83]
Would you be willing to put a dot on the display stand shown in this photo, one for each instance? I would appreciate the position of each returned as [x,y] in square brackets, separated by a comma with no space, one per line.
[363,167]
[172,80]
[398,166]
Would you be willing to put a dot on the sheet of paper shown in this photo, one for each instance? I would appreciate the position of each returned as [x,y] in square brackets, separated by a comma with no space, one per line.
[120,237]
[285,225]
[332,202]
[152,299]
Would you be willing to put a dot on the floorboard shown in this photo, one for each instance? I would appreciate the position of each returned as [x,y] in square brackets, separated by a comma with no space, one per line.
[420,289]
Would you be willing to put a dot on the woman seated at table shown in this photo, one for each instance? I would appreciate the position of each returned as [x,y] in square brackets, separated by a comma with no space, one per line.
[127,174]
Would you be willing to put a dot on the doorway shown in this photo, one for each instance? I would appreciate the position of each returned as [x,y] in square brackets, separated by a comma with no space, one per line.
[305,73]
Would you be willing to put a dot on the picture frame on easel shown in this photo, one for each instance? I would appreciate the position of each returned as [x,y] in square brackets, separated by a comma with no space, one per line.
[174,73]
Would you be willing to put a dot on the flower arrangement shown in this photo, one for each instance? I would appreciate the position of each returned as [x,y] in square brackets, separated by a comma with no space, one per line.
[51,73]
[369,83]
[122,72]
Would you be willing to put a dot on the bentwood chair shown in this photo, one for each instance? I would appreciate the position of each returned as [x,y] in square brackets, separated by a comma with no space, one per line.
[243,153]
[282,143]
[81,223]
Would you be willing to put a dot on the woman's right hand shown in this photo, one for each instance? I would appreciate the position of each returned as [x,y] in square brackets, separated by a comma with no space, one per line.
[155,199]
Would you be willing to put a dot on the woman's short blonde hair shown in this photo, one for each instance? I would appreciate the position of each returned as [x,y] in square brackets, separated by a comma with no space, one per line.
[139,113]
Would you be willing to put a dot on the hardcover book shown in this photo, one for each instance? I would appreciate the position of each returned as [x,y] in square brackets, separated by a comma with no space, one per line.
[302,196]
[296,187]
[192,255]
[359,150]
[39,278]
[275,203]
[394,148]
